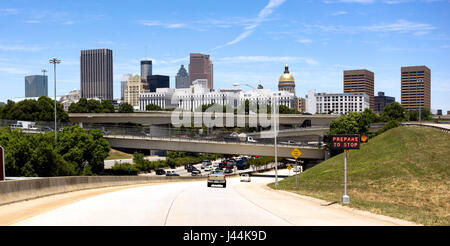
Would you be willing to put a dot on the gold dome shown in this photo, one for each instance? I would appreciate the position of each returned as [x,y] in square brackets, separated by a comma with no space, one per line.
[286,76]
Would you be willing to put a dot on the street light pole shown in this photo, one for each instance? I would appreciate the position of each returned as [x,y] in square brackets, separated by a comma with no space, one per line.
[274,115]
[55,61]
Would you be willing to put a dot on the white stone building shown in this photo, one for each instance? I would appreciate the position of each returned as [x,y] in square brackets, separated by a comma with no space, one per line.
[336,103]
[199,94]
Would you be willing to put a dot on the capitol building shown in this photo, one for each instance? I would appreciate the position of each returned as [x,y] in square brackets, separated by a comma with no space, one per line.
[199,94]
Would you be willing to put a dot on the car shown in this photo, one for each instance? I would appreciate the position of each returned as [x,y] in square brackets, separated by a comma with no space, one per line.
[208,168]
[160,172]
[172,174]
[196,172]
[228,170]
[217,177]
[205,163]
[245,177]
[190,167]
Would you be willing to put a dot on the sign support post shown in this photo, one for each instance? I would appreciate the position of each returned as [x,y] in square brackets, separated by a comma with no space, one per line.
[296,154]
[345,197]
[296,175]
[2,164]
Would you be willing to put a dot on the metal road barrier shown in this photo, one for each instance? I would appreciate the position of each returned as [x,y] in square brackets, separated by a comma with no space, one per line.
[444,128]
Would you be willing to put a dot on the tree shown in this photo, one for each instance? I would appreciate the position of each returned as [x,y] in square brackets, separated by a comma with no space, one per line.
[153,107]
[393,111]
[352,123]
[413,115]
[125,108]
[107,106]
[87,149]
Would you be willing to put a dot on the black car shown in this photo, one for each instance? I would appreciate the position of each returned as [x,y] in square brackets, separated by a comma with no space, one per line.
[190,167]
[196,172]
[160,172]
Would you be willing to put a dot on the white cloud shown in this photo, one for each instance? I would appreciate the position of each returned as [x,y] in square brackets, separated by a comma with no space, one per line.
[8,11]
[401,26]
[163,24]
[263,14]
[250,59]
[339,13]
[20,47]
[304,41]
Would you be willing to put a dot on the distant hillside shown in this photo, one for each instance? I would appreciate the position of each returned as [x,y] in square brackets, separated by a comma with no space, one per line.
[403,173]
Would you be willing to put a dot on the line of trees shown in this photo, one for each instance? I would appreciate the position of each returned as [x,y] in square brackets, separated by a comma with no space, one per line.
[42,109]
[76,152]
[94,106]
[359,123]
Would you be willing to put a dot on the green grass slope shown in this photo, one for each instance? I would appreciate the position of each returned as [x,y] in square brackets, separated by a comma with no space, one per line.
[402,173]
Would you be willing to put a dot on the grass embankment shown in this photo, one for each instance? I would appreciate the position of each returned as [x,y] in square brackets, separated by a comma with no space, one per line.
[117,155]
[402,173]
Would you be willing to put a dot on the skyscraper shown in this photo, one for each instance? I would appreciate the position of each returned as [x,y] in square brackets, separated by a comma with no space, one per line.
[123,84]
[201,67]
[416,87]
[146,68]
[36,86]
[96,68]
[182,78]
[158,81]
[360,81]
[135,86]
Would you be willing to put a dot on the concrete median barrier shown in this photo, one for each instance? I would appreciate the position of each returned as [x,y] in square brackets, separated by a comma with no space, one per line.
[20,190]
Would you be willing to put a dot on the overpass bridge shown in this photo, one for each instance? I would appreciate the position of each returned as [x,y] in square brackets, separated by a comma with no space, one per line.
[165,118]
[211,146]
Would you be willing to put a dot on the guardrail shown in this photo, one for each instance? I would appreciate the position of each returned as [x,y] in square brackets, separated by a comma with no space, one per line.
[431,125]
[20,190]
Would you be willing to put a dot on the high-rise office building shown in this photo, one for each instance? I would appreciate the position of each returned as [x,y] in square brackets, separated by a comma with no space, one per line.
[360,81]
[36,86]
[201,67]
[182,78]
[146,68]
[416,87]
[135,86]
[96,67]
[123,84]
[286,81]
[158,81]
[381,101]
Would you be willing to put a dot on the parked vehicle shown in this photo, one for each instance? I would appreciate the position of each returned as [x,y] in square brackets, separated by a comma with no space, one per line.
[171,173]
[241,164]
[160,172]
[217,177]
[190,167]
[196,172]
[208,168]
[205,163]
[245,177]
[228,170]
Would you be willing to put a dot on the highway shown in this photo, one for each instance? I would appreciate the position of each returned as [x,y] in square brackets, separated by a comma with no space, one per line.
[194,204]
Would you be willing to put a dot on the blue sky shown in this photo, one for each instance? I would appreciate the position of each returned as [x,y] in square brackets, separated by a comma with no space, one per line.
[249,41]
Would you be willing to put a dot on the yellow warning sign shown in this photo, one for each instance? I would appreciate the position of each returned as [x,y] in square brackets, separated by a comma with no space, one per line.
[296,153]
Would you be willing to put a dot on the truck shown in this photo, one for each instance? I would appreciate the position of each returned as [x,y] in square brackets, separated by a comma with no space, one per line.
[217,177]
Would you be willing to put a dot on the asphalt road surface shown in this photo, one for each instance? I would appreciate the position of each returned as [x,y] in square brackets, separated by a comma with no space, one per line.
[194,204]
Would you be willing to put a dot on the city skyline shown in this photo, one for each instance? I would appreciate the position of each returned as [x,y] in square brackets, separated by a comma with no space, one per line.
[252,43]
